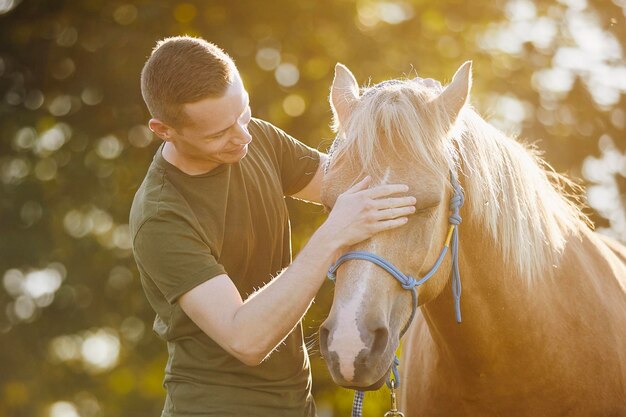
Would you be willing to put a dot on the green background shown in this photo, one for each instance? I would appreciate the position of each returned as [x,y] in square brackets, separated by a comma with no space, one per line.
[75,329]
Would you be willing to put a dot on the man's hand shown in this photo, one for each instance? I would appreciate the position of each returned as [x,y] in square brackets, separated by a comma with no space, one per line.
[360,212]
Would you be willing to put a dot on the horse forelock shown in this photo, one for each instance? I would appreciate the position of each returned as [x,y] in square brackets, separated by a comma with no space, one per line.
[508,188]
[395,120]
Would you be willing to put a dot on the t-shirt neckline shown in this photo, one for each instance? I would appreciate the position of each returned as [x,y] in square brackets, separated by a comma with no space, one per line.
[164,163]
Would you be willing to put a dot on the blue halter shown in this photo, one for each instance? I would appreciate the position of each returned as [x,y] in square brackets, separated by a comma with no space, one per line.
[410,283]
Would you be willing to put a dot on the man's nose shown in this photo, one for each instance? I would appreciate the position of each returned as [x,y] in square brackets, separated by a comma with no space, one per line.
[242,136]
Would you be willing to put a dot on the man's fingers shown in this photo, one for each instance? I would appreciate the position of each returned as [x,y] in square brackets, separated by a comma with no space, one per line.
[387,189]
[390,224]
[385,203]
[360,186]
[393,213]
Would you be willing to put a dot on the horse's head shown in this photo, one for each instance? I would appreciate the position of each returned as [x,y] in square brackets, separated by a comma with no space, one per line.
[398,131]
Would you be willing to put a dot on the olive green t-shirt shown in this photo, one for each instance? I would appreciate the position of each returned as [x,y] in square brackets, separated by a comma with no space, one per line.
[232,220]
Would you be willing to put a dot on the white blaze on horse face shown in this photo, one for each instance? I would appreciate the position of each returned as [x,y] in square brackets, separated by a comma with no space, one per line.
[386,177]
[346,340]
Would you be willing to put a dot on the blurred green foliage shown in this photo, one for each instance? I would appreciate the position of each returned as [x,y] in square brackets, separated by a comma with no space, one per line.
[75,329]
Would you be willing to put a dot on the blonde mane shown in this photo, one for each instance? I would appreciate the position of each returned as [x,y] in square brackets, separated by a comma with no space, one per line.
[518,199]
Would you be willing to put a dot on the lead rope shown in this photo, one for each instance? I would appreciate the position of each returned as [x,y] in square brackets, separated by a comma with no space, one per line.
[410,283]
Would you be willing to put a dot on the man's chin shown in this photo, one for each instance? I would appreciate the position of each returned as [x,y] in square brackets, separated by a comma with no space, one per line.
[234,157]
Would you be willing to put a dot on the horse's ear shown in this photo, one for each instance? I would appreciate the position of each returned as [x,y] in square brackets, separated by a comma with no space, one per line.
[455,95]
[343,93]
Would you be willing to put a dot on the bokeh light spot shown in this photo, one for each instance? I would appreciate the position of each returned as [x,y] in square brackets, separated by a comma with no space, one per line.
[13,98]
[14,394]
[140,136]
[67,37]
[46,169]
[65,348]
[367,13]
[24,308]
[520,10]
[132,329]
[101,221]
[25,138]
[120,278]
[185,12]
[618,118]
[42,282]
[287,74]
[88,405]
[63,409]
[125,14]
[317,68]
[91,96]
[63,69]
[268,58]
[100,350]
[448,47]
[395,12]
[109,147]
[13,281]
[31,213]
[53,139]
[33,100]
[60,106]
[14,170]
[294,105]
[76,224]
[121,237]
[8,5]
[555,80]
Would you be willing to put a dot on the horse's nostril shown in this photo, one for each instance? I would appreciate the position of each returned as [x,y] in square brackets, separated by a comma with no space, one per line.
[380,341]
[324,341]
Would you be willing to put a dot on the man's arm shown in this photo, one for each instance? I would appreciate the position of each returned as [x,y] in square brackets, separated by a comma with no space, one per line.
[312,191]
[251,329]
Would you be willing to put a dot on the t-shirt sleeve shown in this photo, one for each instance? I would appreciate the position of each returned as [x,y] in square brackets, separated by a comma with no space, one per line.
[297,161]
[171,254]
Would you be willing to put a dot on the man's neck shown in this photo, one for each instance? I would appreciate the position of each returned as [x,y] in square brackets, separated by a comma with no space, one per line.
[187,165]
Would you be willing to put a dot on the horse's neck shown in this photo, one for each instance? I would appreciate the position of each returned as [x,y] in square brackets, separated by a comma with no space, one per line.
[505,317]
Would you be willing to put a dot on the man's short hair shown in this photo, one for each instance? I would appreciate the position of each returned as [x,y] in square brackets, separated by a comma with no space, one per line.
[183,70]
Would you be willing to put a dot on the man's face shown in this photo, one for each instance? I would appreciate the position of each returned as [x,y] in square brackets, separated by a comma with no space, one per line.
[216,131]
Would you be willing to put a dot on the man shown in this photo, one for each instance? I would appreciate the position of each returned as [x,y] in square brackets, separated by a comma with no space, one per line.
[210,229]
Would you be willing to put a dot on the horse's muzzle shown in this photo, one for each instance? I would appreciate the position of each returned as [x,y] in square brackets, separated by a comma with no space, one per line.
[365,369]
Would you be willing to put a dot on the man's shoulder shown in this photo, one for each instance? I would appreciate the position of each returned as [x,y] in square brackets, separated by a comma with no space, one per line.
[266,131]
[263,125]
[156,199]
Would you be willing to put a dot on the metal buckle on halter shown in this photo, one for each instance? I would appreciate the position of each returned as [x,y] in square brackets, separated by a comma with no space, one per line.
[393,412]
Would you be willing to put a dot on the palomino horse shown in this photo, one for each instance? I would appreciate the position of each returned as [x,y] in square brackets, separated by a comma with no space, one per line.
[543,329]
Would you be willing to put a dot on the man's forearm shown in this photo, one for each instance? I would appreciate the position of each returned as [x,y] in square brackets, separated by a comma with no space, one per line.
[270,314]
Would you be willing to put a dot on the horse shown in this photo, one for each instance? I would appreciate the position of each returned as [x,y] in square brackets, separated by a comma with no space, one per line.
[543,330]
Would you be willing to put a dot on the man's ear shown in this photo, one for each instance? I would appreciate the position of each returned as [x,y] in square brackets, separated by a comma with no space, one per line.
[160,129]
